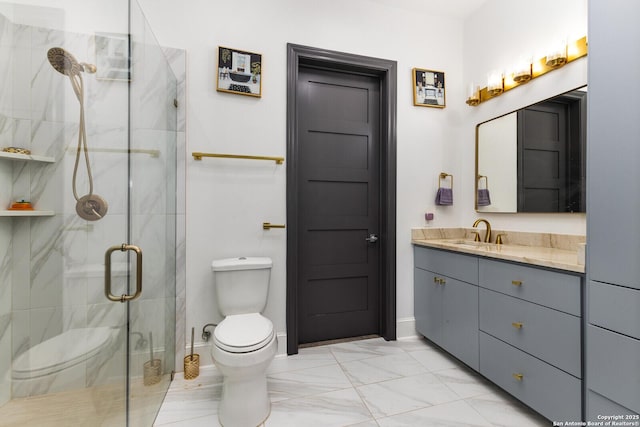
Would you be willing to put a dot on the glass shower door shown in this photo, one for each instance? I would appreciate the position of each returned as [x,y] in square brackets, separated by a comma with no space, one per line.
[68,355]
[152,220]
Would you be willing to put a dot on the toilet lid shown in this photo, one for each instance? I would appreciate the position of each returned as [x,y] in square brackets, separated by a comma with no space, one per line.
[60,352]
[242,333]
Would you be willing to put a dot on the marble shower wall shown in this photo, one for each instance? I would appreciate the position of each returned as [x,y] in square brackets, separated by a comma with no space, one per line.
[7,128]
[51,276]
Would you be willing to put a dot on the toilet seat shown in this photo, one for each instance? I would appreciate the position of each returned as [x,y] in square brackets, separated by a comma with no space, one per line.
[62,351]
[243,333]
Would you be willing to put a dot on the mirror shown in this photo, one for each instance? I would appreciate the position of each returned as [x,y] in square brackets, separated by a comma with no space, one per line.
[533,159]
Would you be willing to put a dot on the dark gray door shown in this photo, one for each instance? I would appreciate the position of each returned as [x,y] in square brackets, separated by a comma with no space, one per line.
[338,210]
[542,152]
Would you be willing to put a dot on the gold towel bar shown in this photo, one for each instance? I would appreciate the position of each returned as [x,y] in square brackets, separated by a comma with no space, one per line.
[269,226]
[198,156]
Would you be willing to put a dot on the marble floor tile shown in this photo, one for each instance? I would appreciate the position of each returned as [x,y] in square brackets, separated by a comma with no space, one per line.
[412,344]
[435,359]
[306,358]
[405,394]
[194,398]
[206,421]
[357,350]
[458,413]
[503,411]
[313,389]
[306,382]
[382,368]
[333,409]
[191,403]
[464,382]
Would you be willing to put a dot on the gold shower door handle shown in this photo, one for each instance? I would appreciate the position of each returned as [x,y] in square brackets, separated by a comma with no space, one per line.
[107,273]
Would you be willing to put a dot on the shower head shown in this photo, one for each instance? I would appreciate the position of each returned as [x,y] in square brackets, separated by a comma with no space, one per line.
[65,63]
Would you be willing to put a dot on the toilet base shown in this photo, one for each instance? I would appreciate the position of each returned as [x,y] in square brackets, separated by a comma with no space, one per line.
[237,395]
[245,399]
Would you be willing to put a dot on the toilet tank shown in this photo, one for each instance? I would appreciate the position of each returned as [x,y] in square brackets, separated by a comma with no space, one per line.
[241,284]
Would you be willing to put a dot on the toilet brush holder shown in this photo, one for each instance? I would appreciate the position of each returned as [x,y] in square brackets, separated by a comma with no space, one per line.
[191,366]
[152,372]
[191,362]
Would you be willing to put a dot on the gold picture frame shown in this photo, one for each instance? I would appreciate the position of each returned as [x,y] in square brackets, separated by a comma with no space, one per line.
[428,88]
[239,72]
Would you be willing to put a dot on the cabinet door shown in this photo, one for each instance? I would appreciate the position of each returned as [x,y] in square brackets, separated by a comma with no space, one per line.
[613,366]
[613,229]
[427,301]
[460,320]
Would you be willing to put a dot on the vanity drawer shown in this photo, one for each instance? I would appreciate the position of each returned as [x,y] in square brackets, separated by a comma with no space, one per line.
[613,364]
[550,335]
[615,308]
[457,266]
[544,287]
[550,391]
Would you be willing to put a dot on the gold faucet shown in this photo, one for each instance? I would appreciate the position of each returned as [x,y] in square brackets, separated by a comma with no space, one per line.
[487,236]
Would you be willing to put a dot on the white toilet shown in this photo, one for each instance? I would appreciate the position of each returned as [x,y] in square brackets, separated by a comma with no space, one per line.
[244,343]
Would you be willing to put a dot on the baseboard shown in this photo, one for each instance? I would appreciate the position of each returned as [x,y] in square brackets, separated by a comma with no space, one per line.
[406,328]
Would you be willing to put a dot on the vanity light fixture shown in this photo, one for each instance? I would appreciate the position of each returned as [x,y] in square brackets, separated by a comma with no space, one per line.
[557,55]
[522,74]
[522,71]
[495,83]
[474,95]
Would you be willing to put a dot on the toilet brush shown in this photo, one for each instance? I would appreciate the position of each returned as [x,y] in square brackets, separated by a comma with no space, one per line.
[191,362]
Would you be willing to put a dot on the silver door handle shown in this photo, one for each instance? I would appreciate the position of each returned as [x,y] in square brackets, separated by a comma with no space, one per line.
[107,273]
[372,238]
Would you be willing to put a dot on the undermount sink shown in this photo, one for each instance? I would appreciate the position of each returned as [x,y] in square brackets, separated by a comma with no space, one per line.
[463,242]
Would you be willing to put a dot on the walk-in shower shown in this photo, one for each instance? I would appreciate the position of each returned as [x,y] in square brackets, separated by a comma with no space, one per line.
[69,354]
[90,206]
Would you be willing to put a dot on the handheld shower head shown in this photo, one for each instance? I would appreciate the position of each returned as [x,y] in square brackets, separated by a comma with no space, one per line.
[63,62]
[91,206]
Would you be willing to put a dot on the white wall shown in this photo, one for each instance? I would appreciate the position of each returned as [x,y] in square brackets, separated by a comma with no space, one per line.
[228,200]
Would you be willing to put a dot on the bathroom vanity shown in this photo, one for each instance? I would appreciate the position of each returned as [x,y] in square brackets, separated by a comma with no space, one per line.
[511,312]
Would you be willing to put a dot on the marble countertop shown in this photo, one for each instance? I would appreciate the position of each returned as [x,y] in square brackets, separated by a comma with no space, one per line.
[561,251]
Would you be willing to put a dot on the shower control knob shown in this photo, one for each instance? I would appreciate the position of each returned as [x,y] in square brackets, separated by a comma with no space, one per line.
[372,238]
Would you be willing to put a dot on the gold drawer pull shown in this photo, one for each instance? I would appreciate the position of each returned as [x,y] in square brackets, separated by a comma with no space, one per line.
[516,282]
[439,280]
[518,377]
[517,325]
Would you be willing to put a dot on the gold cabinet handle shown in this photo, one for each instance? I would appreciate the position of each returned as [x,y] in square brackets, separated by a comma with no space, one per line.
[517,325]
[516,282]
[439,280]
[518,377]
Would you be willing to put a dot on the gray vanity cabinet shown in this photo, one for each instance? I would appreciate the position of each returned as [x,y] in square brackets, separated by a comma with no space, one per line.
[446,301]
[613,203]
[519,326]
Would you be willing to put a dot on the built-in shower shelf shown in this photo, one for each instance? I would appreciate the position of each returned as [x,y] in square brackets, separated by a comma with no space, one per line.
[26,157]
[27,213]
